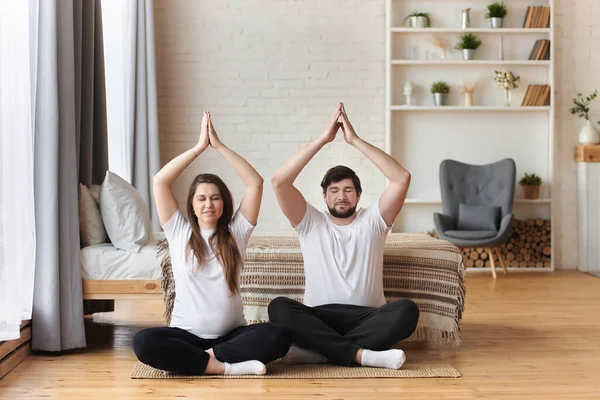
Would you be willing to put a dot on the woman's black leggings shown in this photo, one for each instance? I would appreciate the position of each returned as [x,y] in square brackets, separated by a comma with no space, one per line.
[177,350]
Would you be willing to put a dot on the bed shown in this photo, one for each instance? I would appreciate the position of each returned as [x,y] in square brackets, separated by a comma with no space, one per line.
[416,266]
[113,274]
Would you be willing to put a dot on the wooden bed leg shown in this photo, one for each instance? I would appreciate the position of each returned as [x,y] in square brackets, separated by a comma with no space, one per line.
[501,261]
[492,264]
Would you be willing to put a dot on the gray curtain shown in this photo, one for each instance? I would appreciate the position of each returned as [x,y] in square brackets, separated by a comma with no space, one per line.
[90,92]
[144,129]
[66,138]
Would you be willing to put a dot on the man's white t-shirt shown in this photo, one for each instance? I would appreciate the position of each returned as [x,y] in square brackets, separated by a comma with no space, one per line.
[343,264]
[203,303]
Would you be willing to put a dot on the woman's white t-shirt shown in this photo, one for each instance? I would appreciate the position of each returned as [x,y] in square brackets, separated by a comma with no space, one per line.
[203,304]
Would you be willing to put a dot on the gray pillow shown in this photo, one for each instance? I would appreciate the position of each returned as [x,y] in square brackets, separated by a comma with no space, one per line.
[91,227]
[478,218]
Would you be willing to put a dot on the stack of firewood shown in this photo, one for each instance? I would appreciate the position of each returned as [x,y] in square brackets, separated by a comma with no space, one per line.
[529,246]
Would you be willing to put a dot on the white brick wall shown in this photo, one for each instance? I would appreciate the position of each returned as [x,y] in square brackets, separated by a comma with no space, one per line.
[272,71]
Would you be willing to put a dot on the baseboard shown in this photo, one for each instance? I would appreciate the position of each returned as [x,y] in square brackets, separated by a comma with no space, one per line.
[13,352]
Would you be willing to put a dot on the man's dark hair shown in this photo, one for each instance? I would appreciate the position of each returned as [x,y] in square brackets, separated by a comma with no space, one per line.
[336,174]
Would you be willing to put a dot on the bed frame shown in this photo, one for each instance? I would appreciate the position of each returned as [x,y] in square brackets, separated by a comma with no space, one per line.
[121,290]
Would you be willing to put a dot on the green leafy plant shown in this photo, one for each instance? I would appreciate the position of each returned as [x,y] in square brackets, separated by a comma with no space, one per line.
[419,14]
[496,9]
[468,41]
[530,180]
[440,87]
[582,104]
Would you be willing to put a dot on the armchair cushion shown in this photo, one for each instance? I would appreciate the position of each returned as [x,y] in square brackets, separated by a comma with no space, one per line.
[478,218]
[471,235]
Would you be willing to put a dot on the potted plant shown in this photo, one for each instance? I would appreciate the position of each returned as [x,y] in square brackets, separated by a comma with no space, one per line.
[496,13]
[468,43]
[507,81]
[418,19]
[440,90]
[531,186]
[588,134]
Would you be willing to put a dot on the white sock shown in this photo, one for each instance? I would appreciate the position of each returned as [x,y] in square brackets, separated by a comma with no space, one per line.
[393,358]
[252,367]
[299,355]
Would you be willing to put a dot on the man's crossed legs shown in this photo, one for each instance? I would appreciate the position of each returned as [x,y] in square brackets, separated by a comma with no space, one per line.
[344,334]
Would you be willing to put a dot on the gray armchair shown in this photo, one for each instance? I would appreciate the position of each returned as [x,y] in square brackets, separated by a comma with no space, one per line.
[477,201]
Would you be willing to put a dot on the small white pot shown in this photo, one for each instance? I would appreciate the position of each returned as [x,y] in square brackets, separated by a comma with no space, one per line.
[496,22]
[588,134]
[440,99]
[468,54]
[418,22]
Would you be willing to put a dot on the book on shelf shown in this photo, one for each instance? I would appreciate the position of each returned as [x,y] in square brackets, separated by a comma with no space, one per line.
[537,17]
[540,50]
[537,95]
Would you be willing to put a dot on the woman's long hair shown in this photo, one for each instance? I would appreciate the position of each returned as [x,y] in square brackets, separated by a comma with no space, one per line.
[222,241]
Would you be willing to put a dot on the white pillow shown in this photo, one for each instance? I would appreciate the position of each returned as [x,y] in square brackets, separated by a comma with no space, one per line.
[91,228]
[125,214]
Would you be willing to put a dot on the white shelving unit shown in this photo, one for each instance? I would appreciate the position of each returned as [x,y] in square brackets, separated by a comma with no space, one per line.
[473,30]
[471,108]
[422,135]
[471,62]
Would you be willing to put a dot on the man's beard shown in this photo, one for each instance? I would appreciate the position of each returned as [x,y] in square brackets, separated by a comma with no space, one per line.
[346,214]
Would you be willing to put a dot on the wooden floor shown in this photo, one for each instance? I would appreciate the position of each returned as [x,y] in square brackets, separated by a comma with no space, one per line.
[525,336]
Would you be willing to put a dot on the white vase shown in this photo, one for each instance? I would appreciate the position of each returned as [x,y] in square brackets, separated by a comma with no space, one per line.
[466,20]
[507,97]
[408,92]
[588,134]
[468,99]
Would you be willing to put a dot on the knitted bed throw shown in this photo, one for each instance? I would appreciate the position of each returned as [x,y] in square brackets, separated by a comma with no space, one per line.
[426,270]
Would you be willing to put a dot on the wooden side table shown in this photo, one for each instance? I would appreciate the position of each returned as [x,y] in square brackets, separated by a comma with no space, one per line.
[588,206]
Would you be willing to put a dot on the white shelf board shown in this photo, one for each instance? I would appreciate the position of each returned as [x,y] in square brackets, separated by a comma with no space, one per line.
[471,108]
[472,30]
[472,62]
[436,202]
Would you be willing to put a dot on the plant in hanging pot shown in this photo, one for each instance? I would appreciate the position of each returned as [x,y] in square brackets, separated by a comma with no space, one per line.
[496,13]
[531,186]
[440,90]
[418,19]
[468,43]
[507,81]
[588,134]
